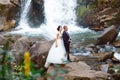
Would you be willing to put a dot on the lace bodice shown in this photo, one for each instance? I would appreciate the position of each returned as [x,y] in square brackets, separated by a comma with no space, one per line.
[60,35]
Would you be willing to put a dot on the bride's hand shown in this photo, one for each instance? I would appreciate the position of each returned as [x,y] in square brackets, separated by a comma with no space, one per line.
[56,46]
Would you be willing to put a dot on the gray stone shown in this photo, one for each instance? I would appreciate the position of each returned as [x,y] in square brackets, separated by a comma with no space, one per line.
[76,71]
[109,35]
[19,48]
[39,52]
[103,56]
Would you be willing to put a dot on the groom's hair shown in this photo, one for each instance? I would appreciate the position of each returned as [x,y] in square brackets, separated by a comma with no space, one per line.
[64,26]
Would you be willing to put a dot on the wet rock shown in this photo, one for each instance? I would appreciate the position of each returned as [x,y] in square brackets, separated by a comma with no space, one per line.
[104,67]
[39,52]
[116,43]
[40,47]
[19,47]
[117,56]
[106,48]
[115,76]
[13,13]
[103,56]
[2,40]
[12,37]
[9,13]
[74,58]
[22,44]
[109,35]
[8,25]
[77,71]
[5,2]
[90,60]
[81,51]
[97,28]
[15,3]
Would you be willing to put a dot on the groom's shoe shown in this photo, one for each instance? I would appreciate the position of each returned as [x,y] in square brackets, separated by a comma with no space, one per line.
[69,60]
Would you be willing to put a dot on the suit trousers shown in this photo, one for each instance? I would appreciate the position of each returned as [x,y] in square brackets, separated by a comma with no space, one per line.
[67,48]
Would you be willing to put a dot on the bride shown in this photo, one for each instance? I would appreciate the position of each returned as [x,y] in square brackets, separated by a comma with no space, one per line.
[57,53]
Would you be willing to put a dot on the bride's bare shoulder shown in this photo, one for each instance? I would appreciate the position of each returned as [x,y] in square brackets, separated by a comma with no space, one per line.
[57,33]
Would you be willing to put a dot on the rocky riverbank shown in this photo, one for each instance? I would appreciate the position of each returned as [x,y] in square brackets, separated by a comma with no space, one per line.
[95,61]
[9,14]
[98,61]
[98,14]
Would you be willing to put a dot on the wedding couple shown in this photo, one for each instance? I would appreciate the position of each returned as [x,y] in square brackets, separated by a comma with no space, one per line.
[60,50]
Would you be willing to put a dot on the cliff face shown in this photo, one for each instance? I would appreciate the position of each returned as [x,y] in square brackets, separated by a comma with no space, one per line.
[9,10]
[10,13]
[98,14]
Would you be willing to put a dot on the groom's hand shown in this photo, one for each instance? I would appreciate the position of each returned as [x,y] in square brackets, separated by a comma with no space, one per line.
[70,40]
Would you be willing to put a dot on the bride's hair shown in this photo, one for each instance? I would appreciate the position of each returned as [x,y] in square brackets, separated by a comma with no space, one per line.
[58,28]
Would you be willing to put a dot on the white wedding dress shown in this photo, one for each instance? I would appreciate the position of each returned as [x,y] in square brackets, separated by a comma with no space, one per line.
[57,55]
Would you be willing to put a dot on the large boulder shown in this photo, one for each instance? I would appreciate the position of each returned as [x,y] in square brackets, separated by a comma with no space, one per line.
[8,25]
[109,35]
[9,10]
[39,52]
[21,44]
[103,56]
[19,47]
[75,71]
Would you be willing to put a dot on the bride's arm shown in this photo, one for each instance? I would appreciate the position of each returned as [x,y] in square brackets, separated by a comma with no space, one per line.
[57,40]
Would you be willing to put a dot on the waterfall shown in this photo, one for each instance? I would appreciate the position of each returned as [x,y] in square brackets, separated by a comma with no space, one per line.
[60,12]
[25,6]
[57,12]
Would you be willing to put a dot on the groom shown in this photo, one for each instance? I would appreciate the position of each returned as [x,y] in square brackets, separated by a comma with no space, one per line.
[66,40]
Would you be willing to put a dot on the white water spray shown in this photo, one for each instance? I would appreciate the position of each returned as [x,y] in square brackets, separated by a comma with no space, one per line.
[57,12]
[25,6]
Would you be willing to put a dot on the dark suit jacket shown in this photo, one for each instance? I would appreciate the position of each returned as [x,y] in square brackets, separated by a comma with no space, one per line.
[66,41]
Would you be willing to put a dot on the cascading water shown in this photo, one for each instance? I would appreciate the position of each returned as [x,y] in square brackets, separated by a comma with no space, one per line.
[60,12]
[57,12]
[25,6]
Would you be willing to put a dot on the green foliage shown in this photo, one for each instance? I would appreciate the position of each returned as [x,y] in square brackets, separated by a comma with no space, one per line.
[5,61]
[84,7]
[91,6]
[99,2]
[116,69]
[79,1]
[81,11]
[115,5]
[10,70]
[2,8]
